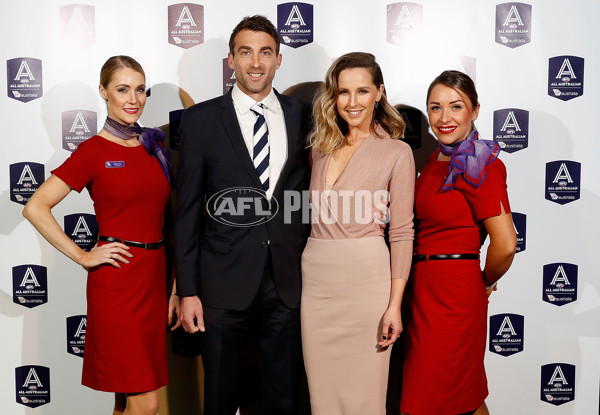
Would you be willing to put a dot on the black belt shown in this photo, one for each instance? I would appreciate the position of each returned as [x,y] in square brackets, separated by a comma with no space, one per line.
[423,257]
[150,245]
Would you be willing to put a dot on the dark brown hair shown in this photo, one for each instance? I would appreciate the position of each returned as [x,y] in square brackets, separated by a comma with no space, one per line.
[114,63]
[458,81]
[255,23]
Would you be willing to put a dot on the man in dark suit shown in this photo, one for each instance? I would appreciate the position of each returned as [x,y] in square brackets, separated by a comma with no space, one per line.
[237,244]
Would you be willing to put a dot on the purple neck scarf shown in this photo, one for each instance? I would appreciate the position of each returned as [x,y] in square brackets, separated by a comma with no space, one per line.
[469,158]
[150,138]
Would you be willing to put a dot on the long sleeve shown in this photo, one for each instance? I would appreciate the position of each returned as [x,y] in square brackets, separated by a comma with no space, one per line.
[401,231]
[190,205]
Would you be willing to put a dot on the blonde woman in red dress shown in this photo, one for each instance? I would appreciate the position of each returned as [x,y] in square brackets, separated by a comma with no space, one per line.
[127,173]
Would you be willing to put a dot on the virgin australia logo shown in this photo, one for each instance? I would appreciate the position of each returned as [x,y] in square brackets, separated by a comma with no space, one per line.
[241,206]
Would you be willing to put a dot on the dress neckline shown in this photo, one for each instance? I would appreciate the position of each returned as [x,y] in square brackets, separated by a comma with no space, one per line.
[341,175]
[117,144]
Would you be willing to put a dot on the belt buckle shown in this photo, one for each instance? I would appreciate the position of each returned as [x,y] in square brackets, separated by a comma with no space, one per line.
[419,258]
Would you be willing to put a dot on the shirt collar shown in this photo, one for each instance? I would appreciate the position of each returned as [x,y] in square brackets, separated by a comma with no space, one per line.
[243,102]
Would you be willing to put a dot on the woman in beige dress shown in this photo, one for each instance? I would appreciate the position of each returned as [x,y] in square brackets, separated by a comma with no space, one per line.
[352,283]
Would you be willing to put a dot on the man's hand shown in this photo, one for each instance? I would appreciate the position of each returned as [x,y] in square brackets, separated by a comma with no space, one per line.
[191,314]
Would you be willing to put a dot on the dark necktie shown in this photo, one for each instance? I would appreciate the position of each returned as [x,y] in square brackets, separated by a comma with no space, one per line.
[261,146]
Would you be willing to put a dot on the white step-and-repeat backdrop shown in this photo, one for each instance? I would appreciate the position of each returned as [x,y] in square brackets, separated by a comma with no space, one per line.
[537,70]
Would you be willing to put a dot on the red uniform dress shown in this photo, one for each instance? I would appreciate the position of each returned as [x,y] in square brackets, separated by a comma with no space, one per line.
[125,345]
[446,302]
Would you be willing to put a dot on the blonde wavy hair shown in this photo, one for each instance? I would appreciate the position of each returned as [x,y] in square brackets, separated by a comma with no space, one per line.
[329,128]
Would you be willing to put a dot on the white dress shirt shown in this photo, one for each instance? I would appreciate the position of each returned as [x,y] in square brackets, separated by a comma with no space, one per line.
[275,124]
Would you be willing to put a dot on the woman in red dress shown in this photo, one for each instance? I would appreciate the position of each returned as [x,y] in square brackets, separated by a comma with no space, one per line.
[127,174]
[460,198]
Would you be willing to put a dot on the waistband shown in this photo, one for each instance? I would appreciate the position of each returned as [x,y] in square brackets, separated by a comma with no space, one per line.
[424,257]
[142,245]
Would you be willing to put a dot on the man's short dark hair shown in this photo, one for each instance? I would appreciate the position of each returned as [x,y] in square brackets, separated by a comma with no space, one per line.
[255,23]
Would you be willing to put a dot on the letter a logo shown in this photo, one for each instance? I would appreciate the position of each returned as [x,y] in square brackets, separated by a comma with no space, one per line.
[81,227]
[558,376]
[563,174]
[77,19]
[29,278]
[24,72]
[27,176]
[81,328]
[404,17]
[511,122]
[560,276]
[32,378]
[186,17]
[295,17]
[513,17]
[506,327]
[566,70]
[79,124]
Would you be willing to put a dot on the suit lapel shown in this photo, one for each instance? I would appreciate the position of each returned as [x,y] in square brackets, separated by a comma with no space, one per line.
[291,127]
[234,133]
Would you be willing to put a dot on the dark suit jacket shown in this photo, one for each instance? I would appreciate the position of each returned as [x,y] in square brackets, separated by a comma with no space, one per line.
[220,256]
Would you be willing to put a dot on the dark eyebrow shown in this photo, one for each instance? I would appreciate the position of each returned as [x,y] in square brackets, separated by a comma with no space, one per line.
[360,87]
[129,86]
[249,48]
[451,102]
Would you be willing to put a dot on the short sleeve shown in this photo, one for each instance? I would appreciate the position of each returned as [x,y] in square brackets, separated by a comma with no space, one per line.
[485,200]
[78,170]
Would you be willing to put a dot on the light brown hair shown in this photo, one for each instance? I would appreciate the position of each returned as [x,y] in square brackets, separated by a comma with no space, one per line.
[114,63]
[329,128]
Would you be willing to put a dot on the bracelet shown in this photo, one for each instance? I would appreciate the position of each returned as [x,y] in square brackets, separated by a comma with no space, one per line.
[175,294]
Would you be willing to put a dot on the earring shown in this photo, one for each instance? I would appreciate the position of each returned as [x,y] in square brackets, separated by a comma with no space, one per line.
[376,104]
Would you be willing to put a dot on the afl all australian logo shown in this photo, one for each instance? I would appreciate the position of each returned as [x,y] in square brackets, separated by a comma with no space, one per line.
[77,24]
[30,285]
[506,334]
[186,25]
[563,181]
[76,328]
[77,126]
[520,223]
[24,79]
[560,283]
[513,24]
[558,383]
[295,24]
[25,179]
[511,129]
[565,77]
[228,76]
[82,228]
[32,385]
[404,22]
